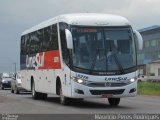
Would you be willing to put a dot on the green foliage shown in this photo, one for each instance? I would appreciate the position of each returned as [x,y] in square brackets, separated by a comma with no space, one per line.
[149,88]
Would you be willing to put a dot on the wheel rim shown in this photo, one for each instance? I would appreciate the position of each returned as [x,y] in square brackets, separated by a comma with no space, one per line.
[33,90]
[61,96]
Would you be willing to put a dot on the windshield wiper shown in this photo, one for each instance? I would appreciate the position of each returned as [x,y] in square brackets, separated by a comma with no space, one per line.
[116,59]
[118,63]
[94,59]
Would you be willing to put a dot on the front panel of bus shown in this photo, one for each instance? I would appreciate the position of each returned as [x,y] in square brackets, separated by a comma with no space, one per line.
[102,61]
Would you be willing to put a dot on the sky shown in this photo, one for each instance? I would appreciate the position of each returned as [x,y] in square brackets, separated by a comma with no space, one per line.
[19,15]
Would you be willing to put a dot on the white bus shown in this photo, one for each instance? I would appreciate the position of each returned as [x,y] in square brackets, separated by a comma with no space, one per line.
[80,56]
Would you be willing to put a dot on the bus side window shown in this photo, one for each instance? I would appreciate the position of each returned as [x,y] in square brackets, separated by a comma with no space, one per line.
[46,39]
[40,39]
[32,49]
[23,51]
[54,38]
[27,39]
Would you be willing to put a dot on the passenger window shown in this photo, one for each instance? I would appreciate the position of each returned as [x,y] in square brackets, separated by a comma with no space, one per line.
[47,38]
[40,40]
[23,48]
[27,41]
[54,38]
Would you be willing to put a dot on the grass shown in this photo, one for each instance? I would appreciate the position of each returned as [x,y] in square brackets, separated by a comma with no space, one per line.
[149,88]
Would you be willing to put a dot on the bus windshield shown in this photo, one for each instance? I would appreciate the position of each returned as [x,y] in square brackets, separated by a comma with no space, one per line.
[103,49]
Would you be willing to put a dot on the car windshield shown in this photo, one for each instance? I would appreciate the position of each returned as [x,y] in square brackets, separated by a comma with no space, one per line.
[5,75]
[103,49]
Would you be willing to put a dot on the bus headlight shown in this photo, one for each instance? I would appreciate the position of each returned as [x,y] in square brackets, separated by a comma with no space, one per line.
[132,80]
[80,80]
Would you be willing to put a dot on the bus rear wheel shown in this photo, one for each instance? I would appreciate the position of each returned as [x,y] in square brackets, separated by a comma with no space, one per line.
[37,95]
[114,101]
[34,93]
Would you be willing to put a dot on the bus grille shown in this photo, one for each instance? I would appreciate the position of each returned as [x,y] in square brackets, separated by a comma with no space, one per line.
[101,92]
[98,84]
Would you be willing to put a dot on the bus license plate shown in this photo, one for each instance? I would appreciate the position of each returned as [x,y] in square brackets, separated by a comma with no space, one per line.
[107,96]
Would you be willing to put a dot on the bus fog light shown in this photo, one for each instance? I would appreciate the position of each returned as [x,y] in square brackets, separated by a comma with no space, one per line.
[132,90]
[79,91]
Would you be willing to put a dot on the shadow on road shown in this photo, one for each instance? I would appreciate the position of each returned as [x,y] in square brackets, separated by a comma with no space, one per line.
[86,103]
[24,93]
[83,103]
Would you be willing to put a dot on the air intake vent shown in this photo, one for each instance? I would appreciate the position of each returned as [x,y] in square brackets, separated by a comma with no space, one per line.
[101,92]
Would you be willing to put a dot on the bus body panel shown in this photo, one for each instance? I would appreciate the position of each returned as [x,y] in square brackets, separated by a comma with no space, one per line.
[49,85]
[45,77]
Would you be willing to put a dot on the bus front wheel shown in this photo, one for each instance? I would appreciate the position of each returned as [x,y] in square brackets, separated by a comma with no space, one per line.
[63,100]
[114,101]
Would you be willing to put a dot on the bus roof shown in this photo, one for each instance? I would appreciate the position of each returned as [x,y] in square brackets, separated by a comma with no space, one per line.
[86,19]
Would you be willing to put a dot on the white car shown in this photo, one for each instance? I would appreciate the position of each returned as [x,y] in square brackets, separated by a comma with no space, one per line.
[141,78]
[16,84]
[5,81]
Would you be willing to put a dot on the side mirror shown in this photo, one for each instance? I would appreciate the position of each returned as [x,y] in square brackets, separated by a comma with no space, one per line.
[139,39]
[69,39]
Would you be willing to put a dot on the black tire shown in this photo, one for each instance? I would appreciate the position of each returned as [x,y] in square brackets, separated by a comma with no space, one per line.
[114,101]
[12,91]
[37,95]
[2,88]
[16,90]
[43,96]
[64,100]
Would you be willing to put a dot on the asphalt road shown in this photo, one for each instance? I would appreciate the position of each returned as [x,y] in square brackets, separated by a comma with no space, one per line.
[24,104]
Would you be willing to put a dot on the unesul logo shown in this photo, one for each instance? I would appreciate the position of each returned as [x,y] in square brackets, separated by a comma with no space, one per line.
[116,79]
[35,61]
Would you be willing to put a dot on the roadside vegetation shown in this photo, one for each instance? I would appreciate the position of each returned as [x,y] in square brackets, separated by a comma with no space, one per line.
[149,88]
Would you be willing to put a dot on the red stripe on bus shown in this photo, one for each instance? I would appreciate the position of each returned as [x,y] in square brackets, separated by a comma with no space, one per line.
[51,60]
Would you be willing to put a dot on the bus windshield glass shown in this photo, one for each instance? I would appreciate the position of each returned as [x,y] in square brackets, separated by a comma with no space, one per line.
[103,49]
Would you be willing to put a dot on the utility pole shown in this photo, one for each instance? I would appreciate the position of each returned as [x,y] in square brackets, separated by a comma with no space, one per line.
[15,67]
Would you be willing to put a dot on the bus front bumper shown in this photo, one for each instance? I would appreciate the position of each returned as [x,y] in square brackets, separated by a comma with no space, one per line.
[82,91]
